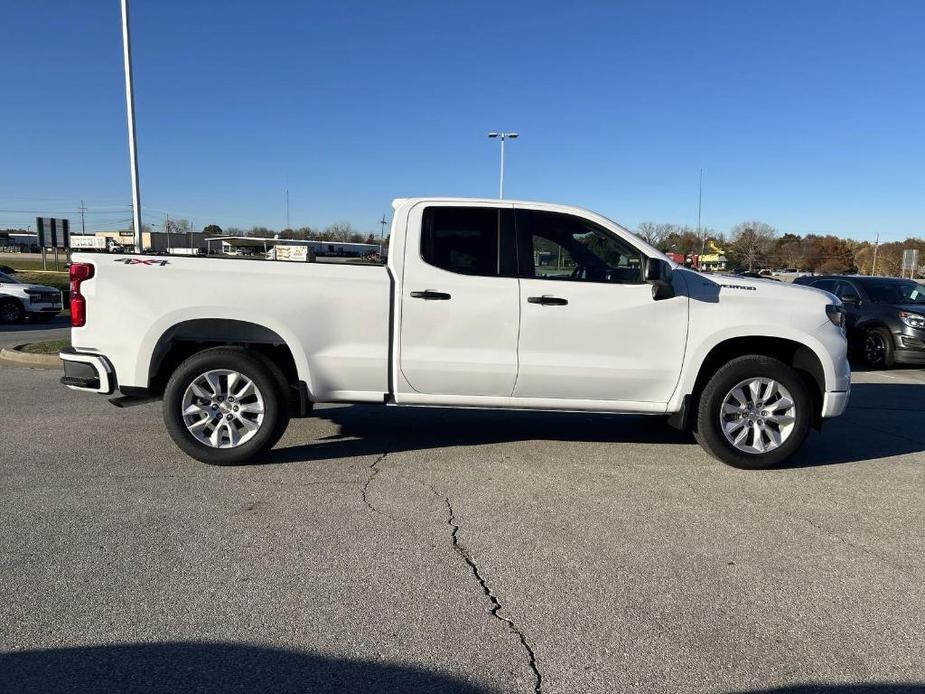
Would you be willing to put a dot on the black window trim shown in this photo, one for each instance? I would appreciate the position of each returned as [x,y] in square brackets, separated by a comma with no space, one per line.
[507,225]
[525,265]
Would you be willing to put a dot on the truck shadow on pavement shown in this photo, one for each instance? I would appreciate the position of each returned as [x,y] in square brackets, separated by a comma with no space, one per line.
[211,668]
[859,688]
[870,429]
[225,668]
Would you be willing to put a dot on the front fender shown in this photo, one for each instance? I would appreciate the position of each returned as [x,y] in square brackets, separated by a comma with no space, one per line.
[826,342]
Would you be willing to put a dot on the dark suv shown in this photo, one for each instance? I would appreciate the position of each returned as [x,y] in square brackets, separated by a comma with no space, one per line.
[886,316]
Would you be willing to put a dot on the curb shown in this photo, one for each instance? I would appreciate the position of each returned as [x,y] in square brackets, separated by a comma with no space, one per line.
[15,355]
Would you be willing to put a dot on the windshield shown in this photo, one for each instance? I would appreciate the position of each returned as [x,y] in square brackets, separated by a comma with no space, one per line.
[6,279]
[895,292]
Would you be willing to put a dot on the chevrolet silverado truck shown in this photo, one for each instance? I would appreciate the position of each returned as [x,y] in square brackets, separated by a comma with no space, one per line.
[483,303]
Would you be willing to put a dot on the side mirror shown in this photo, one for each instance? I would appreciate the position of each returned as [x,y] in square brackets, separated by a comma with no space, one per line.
[658,274]
[656,269]
[662,290]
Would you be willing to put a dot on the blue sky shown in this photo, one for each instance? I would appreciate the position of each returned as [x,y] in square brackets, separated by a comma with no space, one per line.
[807,115]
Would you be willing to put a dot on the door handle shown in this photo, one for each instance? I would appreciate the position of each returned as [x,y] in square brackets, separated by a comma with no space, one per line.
[431,295]
[547,300]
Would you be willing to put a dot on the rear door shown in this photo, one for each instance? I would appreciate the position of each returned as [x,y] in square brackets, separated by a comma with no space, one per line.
[459,301]
[590,329]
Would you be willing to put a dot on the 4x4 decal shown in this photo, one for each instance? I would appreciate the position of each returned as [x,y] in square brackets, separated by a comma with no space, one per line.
[139,261]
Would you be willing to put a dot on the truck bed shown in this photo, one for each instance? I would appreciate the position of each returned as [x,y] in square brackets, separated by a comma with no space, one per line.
[334,316]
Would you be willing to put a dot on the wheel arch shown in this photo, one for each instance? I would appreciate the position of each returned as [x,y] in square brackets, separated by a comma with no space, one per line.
[188,337]
[800,356]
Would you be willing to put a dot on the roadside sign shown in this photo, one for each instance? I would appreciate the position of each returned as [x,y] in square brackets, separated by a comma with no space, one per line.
[910,261]
[53,233]
[292,253]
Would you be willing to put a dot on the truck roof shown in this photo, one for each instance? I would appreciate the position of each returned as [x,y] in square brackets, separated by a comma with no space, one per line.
[549,206]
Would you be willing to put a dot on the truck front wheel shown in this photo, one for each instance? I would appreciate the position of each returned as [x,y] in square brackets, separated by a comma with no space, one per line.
[755,412]
[225,406]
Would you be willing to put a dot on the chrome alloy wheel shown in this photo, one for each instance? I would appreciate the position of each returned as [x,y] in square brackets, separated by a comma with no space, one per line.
[758,415]
[222,408]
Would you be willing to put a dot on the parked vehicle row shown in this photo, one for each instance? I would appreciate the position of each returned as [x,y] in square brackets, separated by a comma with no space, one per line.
[885,316]
[19,300]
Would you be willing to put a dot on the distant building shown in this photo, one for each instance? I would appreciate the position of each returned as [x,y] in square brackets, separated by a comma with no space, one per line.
[23,242]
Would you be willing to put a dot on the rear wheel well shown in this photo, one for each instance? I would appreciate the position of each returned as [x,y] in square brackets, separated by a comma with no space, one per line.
[187,338]
[800,357]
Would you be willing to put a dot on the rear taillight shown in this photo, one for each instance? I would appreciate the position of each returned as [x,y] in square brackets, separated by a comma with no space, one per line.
[77,274]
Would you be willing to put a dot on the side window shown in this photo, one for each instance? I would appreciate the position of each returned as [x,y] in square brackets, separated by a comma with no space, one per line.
[467,240]
[825,285]
[846,289]
[557,246]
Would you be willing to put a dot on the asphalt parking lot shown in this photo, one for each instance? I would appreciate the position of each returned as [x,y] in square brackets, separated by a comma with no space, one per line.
[458,551]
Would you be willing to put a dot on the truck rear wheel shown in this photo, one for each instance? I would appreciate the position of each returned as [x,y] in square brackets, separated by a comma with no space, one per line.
[755,412]
[226,406]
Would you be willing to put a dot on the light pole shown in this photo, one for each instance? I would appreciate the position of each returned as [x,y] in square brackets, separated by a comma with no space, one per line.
[130,112]
[502,136]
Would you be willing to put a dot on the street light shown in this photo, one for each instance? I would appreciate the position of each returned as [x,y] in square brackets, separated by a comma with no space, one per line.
[130,114]
[502,136]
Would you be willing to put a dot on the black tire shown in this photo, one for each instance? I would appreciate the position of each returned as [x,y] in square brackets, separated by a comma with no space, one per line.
[877,349]
[709,433]
[265,375]
[11,311]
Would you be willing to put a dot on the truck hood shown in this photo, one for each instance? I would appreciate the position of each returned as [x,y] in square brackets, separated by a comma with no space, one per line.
[720,286]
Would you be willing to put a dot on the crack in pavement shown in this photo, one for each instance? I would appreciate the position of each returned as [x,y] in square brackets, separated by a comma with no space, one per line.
[495,605]
[365,491]
[864,550]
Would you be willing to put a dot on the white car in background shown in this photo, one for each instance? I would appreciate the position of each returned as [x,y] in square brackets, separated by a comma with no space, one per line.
[19,300]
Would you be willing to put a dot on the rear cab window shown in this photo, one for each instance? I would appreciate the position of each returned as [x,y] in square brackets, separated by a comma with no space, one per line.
[469,240]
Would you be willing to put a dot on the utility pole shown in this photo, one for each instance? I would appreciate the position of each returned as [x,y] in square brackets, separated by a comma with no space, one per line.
[703,237]
[130,115]
[502,136]
[83,229]
[287,206]
[382,223]
[873,267]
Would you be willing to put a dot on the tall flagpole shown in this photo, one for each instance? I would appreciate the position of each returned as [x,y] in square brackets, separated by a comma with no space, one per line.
[130,113]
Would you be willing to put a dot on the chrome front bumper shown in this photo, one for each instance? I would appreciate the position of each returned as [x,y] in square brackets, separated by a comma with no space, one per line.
[835,403]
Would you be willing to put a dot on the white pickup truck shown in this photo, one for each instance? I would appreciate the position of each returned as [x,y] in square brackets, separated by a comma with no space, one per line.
[483,303]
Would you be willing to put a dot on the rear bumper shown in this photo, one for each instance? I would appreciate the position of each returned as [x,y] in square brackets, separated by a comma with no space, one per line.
[90,372]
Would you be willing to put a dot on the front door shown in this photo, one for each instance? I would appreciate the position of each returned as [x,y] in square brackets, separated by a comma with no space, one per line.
[589,327]
[460,301]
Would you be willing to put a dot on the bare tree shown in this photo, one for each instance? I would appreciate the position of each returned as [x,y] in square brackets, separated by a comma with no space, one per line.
[751,243]
[654,233]
[339,231]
